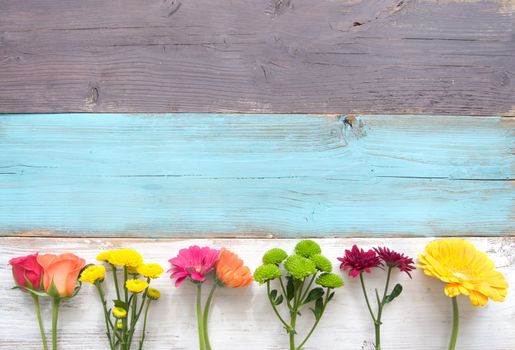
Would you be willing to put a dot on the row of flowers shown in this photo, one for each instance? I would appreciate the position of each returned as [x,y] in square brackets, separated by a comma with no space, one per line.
[294,282]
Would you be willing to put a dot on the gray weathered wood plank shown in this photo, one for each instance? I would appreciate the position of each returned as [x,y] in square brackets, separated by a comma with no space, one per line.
[375,56]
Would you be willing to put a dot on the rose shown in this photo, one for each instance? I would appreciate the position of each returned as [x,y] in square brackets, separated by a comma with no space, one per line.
[27,268]
[60,271]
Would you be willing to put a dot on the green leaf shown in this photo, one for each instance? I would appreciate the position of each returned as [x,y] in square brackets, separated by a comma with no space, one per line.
[276,300]
[397,290]
[314,294]
[330,297]
[319,308]
[290,289]
[119,303]
[32,291]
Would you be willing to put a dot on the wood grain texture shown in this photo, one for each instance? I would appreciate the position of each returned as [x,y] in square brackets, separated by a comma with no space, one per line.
[364,56]
[255,175]
[241,319]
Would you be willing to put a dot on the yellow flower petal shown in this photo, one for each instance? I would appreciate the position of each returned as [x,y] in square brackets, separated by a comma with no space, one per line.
[478,299]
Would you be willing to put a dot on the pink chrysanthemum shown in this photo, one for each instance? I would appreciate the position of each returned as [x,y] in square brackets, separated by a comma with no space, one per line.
[358,261]
[393,259]
[194,262]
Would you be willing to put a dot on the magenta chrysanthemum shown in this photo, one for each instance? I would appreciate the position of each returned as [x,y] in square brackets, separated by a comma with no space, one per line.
[193,262]
[358,261]
[393,259]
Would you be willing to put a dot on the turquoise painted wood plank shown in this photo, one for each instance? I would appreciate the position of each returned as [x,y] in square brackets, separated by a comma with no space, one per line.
[234,175]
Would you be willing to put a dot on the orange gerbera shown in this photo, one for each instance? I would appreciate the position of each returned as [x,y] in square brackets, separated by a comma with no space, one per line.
[230,270]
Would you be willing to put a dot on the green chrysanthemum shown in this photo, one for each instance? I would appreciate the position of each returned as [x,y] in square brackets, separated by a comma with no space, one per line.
[274,256]
[267,272]
[322,263]
[307,248]
[329,280]
[300,267]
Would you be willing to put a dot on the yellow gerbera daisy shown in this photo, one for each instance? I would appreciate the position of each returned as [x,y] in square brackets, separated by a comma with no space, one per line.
[466,270]
[136,286]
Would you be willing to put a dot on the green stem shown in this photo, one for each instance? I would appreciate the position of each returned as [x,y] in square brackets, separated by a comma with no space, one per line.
[199,317]
[145,293]
[299,294]
[55,314]
[284,292]
[292,330]
[136,315]
[307,289]
[144,325]
[380,305]
[206,316]
[125,331]
[366,296]
[106,314]
[326,301]
[123,342]
[455,324]
[115,279]
[297,301]
[125,278]
[275,308]
[40,321]
[132,326]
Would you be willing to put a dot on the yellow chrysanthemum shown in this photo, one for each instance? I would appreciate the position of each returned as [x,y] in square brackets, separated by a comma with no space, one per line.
[136,286]
[152,271]
[153,293]
[93,273]
[119,312]
[466,270]
[125,257]
[104,256]
[119,324]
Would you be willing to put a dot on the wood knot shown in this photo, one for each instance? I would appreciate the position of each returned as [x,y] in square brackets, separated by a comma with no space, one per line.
[277,7]
[170,7]
[93,97]
[349,120]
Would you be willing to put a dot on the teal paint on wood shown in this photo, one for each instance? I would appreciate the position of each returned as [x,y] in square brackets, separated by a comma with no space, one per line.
[285,175]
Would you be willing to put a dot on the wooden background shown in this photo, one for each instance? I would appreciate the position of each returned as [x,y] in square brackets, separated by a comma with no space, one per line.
[262,121]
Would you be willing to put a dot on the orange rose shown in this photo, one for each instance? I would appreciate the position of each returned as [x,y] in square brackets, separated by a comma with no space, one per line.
[63,270]
[230,270]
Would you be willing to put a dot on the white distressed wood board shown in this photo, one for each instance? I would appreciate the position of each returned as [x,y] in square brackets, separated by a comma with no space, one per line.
[242,319]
